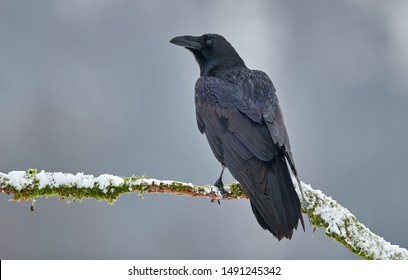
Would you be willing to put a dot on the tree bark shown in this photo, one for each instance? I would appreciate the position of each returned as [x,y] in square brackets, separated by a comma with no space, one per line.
[338,222]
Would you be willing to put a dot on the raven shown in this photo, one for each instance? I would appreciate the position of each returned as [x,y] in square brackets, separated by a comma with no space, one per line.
[238,111]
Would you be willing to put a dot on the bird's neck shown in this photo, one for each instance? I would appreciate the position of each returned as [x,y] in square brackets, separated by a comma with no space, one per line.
[211,67]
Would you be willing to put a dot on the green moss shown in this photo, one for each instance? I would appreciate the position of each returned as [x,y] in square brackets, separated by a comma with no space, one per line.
[179,187]
[73,192]
[32,171]
[70,192]
[236,190]
[316,220]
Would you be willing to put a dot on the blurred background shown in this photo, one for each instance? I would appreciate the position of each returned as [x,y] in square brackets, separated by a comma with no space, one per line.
[94,86]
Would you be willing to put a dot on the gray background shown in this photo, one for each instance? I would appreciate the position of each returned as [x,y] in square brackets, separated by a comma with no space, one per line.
[95,87]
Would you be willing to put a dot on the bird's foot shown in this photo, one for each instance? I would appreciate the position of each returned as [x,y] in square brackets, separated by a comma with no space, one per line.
[220,186]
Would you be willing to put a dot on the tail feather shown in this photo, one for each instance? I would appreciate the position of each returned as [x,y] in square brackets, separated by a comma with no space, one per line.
[274,200]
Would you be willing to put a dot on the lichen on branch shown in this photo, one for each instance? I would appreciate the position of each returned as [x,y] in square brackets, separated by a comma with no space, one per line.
[338,222]
[29,185]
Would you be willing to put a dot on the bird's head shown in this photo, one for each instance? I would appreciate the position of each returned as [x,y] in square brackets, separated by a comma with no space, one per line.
[212,52]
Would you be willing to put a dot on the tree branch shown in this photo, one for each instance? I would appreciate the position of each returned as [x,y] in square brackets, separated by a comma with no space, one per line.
[323,211]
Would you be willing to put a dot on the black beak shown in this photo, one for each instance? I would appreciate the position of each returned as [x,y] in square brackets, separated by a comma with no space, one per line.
[189,42]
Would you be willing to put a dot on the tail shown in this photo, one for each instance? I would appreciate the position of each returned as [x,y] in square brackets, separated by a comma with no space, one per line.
[274,200]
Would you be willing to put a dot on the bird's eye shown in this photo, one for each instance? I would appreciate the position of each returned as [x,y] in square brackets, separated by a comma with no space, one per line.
[208,42]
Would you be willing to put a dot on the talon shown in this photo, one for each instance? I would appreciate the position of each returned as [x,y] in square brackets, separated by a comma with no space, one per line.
[220,185]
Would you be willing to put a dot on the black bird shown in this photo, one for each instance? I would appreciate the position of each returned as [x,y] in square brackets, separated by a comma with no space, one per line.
[238,111]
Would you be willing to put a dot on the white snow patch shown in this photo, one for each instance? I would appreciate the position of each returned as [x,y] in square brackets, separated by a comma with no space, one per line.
[211,189]
[151,182]
[18,179]
[204,189]
[105,180]
[43,179]
[84,181]
[59,179]
[144,182]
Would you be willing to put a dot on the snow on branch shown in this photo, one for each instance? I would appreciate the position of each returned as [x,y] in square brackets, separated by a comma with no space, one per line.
[341,225]
[323,211]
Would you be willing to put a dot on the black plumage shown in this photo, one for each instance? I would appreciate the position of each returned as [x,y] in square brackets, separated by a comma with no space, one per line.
[238,111]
